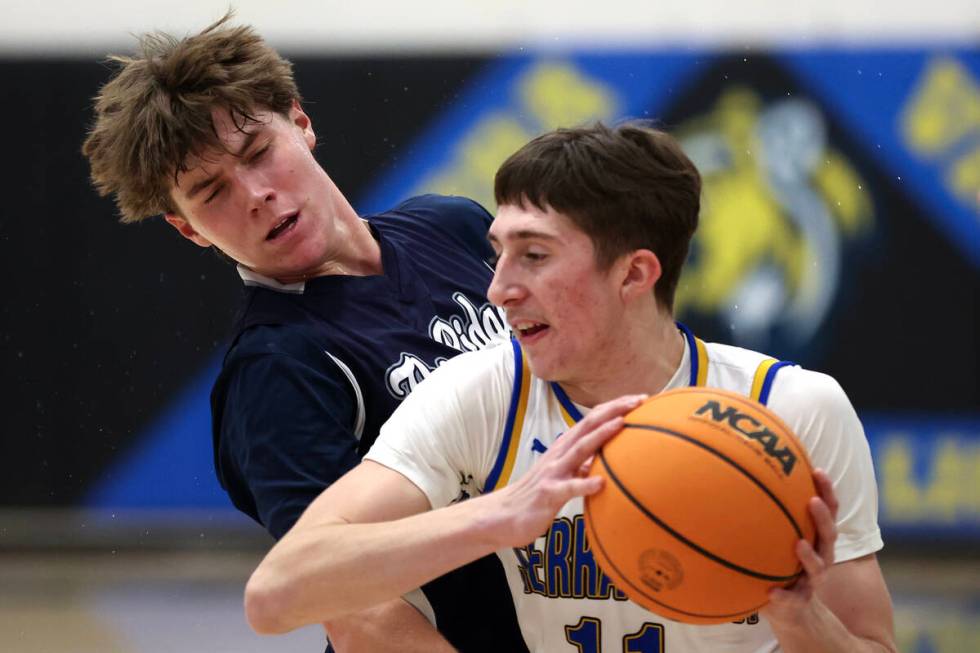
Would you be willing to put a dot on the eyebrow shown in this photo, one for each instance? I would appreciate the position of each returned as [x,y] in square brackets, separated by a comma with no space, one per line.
[523,234]
[204,183]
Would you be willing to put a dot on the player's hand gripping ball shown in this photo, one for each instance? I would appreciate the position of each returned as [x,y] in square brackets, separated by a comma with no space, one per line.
[705,497]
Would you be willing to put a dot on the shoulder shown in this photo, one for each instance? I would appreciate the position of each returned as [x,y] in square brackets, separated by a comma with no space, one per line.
[286,340]
[448,207]
[264,356]
[801,393]
[275,377]
[731,367]
[810,393]
[456,218]
[731,357]
[264,307]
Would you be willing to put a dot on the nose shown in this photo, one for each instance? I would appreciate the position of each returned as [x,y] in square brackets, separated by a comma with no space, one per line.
[505,289]
[258,192]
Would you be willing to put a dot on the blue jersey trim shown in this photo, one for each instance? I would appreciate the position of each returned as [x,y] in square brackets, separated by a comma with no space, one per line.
[515,398]
[770,377]
[566,402]
[695,366]
[692,346]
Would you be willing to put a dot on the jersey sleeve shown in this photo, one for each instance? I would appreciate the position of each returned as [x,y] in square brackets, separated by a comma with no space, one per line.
[283,429]
[444,437]
[819,412]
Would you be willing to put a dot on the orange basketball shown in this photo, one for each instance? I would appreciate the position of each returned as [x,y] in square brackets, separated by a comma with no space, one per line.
[705,497]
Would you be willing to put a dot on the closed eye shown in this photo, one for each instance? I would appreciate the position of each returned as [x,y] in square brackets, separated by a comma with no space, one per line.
[214,193]
[258,154]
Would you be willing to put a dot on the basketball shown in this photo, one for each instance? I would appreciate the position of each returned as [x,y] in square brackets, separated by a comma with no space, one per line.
[705,497]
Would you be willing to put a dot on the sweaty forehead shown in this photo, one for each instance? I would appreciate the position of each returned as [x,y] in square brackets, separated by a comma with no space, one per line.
[234,136]
[232,127]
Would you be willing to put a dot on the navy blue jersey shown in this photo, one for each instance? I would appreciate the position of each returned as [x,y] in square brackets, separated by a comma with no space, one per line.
[315,369]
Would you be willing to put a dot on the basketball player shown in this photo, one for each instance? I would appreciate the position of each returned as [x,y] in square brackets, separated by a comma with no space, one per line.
[342,315]
[592,230]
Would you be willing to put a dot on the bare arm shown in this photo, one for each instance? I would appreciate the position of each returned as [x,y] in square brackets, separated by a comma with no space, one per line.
[368,537]
[379,629]
[841,607]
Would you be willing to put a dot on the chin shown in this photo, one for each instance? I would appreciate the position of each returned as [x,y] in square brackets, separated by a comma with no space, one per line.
[545,370]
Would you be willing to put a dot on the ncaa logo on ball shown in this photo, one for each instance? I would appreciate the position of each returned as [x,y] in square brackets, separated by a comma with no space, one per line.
[752,429]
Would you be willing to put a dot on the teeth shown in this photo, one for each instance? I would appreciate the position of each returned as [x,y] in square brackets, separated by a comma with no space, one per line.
[280,226]
[524,327]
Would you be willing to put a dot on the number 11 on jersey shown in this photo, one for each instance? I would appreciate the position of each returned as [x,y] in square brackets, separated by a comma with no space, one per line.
[586,636]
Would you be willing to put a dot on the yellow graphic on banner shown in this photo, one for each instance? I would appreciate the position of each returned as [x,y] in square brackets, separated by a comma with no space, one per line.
[944,109]
[952,631]
[941,123]
[548,95]
[963,175]
[949,494]
[778,201]
[839,181]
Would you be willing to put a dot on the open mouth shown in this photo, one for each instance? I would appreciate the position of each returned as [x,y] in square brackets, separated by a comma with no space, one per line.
[284,225]
[529,329]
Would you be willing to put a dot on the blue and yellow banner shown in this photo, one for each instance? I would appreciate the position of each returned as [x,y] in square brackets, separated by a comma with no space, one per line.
[839,228]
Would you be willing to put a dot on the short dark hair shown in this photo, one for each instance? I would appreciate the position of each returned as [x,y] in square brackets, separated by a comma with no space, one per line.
[156,109]
[627,187]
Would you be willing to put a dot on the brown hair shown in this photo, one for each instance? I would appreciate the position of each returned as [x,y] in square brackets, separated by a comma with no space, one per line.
[156,109]
[627,187]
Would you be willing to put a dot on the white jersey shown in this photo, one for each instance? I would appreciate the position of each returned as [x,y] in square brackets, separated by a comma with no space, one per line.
[482,420]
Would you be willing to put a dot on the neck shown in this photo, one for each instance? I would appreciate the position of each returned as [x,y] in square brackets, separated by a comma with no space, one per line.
[641,360]
[361,256]
[357,252]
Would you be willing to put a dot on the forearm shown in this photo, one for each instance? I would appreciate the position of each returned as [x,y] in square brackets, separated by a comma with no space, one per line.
[818,630]
[322,571]
[389,625]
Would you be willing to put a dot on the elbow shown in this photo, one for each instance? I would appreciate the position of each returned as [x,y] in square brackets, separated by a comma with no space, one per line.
[266,604]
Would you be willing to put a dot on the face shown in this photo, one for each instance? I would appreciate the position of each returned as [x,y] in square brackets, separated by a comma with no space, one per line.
[265,202]
[565,312]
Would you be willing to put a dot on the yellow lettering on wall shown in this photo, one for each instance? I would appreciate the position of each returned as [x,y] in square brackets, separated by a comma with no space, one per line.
[548,95]
[944,108]
[964,175]
[946,629]
[477,158]
[558,95]
[955,635]
[948,493]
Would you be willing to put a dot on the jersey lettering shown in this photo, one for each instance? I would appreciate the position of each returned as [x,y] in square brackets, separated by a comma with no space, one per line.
[402,377]
[564,566]
[586,637]
[481,327]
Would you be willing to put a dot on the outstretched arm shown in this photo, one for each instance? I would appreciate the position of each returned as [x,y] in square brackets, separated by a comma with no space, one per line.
[841,607]
[368,537]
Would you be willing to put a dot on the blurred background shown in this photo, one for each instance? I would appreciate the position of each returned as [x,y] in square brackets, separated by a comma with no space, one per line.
[840,147]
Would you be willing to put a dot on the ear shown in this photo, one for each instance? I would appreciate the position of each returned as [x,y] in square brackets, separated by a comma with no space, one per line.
[299,118]
[640,272]
[185,229]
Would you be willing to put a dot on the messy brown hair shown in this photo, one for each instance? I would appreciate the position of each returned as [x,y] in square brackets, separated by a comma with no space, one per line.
[627,187]
[156,109]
